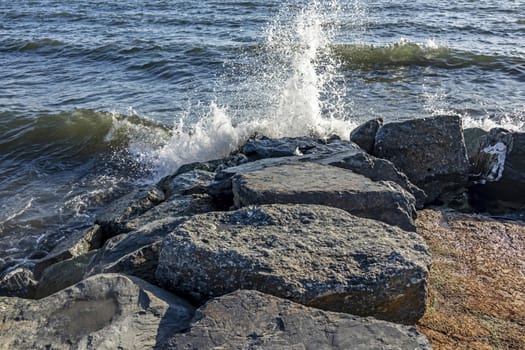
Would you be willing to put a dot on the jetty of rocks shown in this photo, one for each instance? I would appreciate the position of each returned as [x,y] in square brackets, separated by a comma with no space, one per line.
[292,243]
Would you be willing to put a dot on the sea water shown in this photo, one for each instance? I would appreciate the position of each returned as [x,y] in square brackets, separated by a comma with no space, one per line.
[97,97]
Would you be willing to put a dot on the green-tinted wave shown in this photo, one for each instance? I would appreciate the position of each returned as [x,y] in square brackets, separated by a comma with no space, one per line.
[72,136]
[411,54]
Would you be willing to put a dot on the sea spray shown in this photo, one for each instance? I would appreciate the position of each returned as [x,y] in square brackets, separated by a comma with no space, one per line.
[310,95]
[294,83]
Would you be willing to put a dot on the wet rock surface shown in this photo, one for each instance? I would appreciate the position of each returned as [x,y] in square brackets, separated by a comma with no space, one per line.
[376,169]
[314,255]
[229,322]
[113,220]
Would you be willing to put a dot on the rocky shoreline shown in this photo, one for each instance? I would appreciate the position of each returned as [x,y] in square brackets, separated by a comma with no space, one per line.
[294,243]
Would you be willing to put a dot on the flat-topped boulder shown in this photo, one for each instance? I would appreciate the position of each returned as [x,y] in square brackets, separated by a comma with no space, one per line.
[311,183]
[430,151]
[107,311]
[350,158]
[314,255]
[229,322]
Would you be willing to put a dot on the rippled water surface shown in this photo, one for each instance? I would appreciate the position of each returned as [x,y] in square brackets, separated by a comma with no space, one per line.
[99,96]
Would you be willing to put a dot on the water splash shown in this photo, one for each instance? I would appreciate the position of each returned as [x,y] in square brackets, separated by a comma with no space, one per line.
[295,85]
[513,121]
[310,95]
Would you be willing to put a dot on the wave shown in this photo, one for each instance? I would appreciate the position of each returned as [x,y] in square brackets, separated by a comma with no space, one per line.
[71,137]
[406,53]
[35,44]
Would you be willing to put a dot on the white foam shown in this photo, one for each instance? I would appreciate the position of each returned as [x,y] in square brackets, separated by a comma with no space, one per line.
[514,121]
[302,90]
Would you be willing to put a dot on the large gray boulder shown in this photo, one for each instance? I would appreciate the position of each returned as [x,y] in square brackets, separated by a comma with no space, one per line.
[252,320]
[103,312]
[430,151]
[350,158]
[311,254]
[312,183]
[499,171]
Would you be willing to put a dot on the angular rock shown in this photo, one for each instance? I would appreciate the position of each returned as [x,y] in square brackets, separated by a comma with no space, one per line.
[190,182]
[135,253]
[19,282]
[113,219]
[62,275]
[222,186]
[229,322]
[314,255]
[376,169]
[212,165]
[500,172]
[76,245]
[272,148]
[430,151]
[365,134]
[294,146]
[310,183]
[352,159]
[103,312]
[173,207]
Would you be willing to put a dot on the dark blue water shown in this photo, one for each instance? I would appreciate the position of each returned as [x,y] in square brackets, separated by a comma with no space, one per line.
[97,96]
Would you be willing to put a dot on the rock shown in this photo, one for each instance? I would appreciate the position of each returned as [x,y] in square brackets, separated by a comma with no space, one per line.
[311,183]
[376,169]
[472,138]
[311,254]
[352,158]
[190,182]
[365,134]
[500,172]
[173,207]
[272,148]
[62,275]
[103,312]
[293,146]
[76,245]
[212,165]
[19,282]
[430,151]
[229,322]
[113,219]
[135,253]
